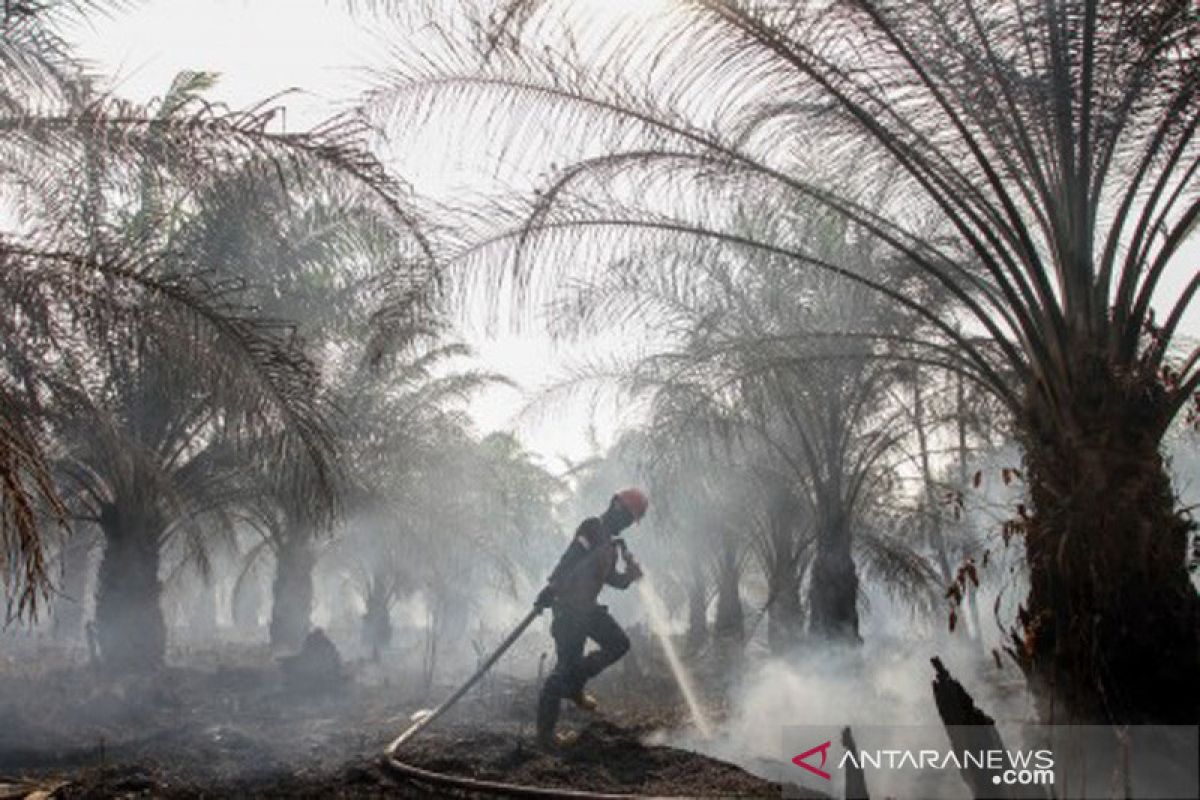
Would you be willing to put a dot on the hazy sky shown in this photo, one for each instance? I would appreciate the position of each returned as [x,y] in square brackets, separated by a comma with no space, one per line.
[265,47]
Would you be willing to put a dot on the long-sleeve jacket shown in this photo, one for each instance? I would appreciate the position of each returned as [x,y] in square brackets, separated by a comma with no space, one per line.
[588,564]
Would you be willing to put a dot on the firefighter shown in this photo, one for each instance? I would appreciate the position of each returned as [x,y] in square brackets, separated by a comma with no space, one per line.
[589,563]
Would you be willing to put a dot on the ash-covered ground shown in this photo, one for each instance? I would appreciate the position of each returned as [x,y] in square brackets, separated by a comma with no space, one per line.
[232,723]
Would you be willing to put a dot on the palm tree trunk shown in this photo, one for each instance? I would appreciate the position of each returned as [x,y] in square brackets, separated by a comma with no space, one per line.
[730,622]
[245,603]
[1111,628]
[292,594]
[833,589]
[785,616]
[130,630]
[377,622]
[697,592]
[202,611]
[433,624]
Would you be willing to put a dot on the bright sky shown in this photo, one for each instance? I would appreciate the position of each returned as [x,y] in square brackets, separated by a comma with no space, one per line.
[265,47]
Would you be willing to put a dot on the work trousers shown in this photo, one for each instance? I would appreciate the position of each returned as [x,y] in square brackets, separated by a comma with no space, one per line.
[572,669]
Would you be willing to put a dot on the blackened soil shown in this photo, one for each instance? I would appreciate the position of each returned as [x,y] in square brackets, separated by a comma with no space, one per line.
[607,757]
[236,733]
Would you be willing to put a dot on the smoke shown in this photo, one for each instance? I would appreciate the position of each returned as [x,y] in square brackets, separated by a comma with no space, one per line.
[885,683]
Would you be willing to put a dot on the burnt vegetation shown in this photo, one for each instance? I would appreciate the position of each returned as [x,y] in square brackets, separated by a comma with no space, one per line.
[895,302]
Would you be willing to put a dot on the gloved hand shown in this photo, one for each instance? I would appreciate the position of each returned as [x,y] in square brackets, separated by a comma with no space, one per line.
[545,598]
[632,568]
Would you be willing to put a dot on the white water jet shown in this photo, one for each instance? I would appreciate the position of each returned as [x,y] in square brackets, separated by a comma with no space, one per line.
[657,613]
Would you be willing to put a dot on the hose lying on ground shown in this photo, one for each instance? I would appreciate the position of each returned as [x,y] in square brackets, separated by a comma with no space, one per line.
[395,765]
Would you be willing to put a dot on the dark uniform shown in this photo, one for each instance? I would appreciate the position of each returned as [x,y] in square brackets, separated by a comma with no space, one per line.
[585,568]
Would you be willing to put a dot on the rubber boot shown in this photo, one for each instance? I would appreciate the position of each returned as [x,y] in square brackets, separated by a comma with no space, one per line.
[585,700]
[547,713]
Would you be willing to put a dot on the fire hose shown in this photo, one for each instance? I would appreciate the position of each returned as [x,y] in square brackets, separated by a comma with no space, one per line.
[426,719]
[392,763]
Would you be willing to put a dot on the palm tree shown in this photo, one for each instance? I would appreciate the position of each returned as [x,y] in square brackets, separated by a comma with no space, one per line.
[478,508]
[152,454]
[75,274]
[792,362]
[1053,144]
[400,419]
[331,258]
[161,422]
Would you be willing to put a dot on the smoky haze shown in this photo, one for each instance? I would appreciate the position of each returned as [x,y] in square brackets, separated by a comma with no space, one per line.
[340,338]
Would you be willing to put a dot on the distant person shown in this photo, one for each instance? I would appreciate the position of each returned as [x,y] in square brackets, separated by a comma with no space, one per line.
[589,563]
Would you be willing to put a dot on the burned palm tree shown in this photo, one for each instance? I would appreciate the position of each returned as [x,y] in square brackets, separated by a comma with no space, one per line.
[784,545]
[94,186]
[155,453]
[360,288]
[159,418]
[469,539]
[404,414]
[709,514]
[1053,143]
[792,367]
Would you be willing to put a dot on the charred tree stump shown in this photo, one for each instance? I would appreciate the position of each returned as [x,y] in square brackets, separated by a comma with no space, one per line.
[316,668]
[970,729]
[856,781]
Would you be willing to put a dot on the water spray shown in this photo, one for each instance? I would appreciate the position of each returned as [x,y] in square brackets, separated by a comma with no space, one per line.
[423,718]
[658,623]
[657,613]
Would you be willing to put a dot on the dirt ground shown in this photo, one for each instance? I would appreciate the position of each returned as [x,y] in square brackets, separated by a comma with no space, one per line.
[232,729]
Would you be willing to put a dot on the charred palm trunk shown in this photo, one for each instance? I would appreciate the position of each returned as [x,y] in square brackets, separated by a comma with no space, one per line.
[729,625]
[785,617]
[202,611]
[245,604]
[130,630]
[784,611]
[292,593]
[1111,628]
[377,621]
[833,588]
[697,596]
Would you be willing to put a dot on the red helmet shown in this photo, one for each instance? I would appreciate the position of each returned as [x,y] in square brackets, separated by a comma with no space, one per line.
[634,501]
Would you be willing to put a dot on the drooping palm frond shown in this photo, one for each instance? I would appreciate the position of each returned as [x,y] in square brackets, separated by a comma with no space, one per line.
[86,286]
[898,568]
[108,201]
[1054,143]
[27,496]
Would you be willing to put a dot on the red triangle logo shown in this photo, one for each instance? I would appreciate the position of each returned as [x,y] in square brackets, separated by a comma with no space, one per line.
[823,749]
